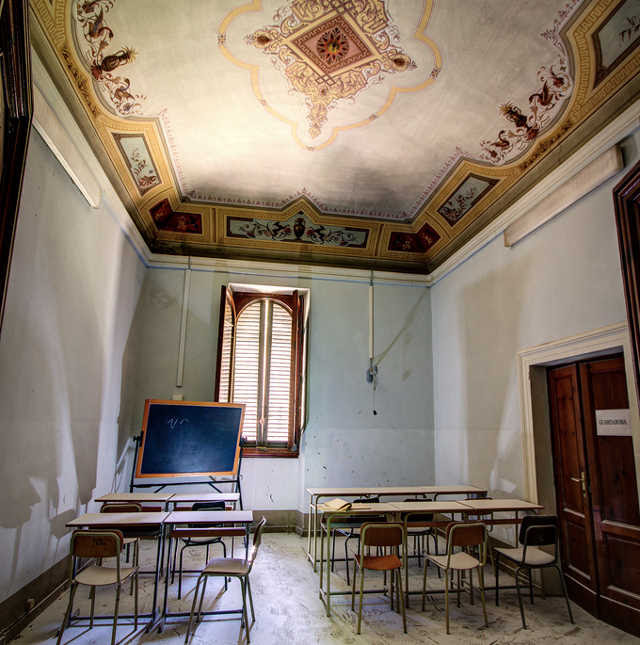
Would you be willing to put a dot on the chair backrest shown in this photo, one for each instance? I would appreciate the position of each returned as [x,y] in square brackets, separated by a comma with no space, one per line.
[257,541]
[419,517]
[367,500]
[382,534]
[96,544]
[208,506]
[121,507]
[539,530]
[465,534]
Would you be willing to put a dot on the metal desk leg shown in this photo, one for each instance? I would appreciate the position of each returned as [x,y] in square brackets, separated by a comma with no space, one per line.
[328,565]
[315,533]
[157,580]
[166,582]
[309,514]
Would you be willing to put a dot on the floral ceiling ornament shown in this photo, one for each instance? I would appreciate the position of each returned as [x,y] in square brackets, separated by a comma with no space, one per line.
[330,51]
[90,17]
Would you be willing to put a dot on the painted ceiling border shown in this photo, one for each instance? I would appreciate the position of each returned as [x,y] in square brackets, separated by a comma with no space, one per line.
[619,128]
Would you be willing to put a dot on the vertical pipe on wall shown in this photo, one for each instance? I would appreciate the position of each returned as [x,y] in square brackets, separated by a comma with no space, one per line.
[183,324]
[371,316]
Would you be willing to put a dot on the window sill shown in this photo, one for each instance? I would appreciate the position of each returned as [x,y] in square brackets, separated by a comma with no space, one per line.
[252,452]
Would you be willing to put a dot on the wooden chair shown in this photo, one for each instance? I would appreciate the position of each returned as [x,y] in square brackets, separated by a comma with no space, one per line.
[126,507]
[350,528]
[420,533]
[99,544]
[197,539]
[535,531]
[463,535]
[381,536]
[230,568]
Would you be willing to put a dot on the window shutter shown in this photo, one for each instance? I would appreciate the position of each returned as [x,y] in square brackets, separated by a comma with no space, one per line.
[279,378]
[247,358]
[224,361]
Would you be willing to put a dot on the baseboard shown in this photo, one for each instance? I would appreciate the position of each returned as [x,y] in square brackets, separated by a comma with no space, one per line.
[17,611]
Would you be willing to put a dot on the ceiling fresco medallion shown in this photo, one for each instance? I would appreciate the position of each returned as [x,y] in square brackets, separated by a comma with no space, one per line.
[332,51]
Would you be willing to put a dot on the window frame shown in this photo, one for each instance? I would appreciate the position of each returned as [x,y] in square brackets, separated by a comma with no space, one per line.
[295,302]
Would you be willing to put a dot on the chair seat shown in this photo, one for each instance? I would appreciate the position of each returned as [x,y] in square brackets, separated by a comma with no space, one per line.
[380,562]
[98,576]
[227,567]
[130,540]
[535,557]
[460,560]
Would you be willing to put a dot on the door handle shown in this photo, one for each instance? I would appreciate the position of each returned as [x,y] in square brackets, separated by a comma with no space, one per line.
[581,480]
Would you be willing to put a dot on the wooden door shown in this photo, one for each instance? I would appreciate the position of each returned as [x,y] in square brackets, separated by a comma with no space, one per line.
[596,491]
[614,495]
[572,495]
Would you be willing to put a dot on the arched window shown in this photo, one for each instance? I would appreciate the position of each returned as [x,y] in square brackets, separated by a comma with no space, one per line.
[260,364]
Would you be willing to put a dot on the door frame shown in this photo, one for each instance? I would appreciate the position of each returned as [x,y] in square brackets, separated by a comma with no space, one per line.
[586,345]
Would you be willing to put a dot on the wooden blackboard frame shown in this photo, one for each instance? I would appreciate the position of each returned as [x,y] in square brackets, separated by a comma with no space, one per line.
[227,473]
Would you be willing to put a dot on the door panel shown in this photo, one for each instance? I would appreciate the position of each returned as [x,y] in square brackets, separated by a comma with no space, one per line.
[572,499]
[616,512]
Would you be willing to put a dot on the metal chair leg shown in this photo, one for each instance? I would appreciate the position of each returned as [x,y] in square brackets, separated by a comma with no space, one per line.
[446,599]
[424,581]
[173,569]
[482,598]
[401,595]
[67,614]
[92,595]
[496,571]
[244,607]
[115,616]
[333,552]
[531,585]
[353,587]
[204,588]
[193,606]
[361,595]
[524,624]
[346,559]
[253,615]
[135,602]
[564,591]
[459,576]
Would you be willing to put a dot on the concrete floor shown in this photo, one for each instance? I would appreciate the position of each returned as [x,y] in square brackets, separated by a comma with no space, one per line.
[288,611]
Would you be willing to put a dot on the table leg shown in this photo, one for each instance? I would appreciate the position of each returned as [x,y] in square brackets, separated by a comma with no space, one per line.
[328,566]
[315,532]
[166,581]
[309,528]
[157,579]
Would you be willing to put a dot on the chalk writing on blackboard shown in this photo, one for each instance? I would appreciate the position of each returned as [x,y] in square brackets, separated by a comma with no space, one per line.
[172,422]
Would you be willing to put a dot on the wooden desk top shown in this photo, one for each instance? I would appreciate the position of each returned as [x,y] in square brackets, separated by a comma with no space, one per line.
[135,497]
[118,519]
[368,509]
[430,507]
[454,489]
[204,497]
[500,505]
[209,517]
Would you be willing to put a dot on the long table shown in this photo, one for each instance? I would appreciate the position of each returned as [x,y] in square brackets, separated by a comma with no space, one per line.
[316,494]
[394,511]
[169,498]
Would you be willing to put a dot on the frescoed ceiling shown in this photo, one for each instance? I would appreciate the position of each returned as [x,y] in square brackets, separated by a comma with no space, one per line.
[373,133]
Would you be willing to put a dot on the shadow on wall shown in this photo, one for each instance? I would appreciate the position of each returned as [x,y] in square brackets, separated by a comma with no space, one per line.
[490,326]
[55,436]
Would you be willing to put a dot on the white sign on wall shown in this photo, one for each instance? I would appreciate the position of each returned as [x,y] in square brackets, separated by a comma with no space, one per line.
[613,423]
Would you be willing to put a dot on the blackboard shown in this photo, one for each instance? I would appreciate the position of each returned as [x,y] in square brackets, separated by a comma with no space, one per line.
[190,438]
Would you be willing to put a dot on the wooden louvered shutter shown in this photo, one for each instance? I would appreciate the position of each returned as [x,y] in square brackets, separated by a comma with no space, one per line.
[279,376]
[248,366]
[224,363]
